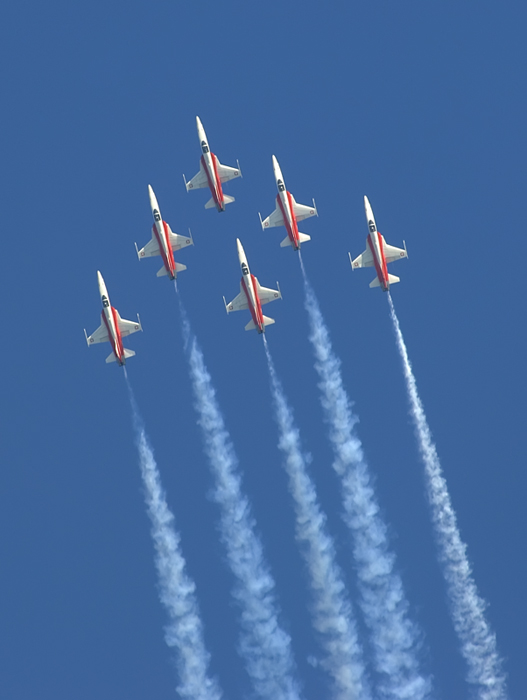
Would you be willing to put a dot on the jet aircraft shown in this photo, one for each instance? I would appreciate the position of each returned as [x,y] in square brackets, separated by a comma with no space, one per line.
[164,241]
[252,296]
[378,253]
[113,328]
[288,213]
[211,174]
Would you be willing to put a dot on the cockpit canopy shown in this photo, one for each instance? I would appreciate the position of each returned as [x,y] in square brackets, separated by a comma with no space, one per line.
[204,147]
[281,186]
[105,302]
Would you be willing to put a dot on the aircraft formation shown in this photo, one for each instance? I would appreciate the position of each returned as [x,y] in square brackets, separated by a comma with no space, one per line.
[385,617]
[252,296]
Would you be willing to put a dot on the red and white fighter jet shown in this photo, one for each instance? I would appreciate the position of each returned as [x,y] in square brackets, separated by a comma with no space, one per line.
[288,213]
[113,328]
[378,253]
[252,296]
[212,174]
[164,242]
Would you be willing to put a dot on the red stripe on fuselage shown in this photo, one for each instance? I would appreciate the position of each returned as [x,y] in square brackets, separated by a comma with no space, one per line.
[214,183]
[292,229]
[116,341]
[256,313]
[168,260]
[380,265]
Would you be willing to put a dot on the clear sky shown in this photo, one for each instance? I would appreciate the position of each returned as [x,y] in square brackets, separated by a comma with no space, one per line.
[422,107]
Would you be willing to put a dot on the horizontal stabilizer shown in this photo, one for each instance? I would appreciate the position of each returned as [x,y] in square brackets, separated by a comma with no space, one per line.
[303,237]
[111,358]
[128,353]
[285,242]
[226,200]
[392,279]
[162,272]
[180,267]
[251,326]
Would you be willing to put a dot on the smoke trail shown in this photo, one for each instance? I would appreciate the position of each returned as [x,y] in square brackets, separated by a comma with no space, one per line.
[478,642]
[394,636]
[332,615]
[177,591]
[264,646]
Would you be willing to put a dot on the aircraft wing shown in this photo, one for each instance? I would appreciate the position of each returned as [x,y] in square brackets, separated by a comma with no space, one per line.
[177,242]
[391,253]
[199,180]
[150,249]
[301,211]
[239,303]
[225,172]
[274,219]
[266,295]
[127,327]
[99,336]
[364,260]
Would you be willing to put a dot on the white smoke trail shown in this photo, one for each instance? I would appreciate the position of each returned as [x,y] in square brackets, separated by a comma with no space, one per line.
[332,615]
[177,591]
[478,642]
[265,646]
[394,637]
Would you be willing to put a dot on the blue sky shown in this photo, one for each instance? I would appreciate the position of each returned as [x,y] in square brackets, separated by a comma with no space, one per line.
[420,106]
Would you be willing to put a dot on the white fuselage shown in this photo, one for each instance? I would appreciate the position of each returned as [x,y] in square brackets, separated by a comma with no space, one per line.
[110,320]
[160,232]
[248,285]
[375,244]
[209,165]
[285,203]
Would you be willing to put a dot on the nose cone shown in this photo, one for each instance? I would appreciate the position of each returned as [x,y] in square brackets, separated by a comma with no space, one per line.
[241,252]
[201,130]
[102,286]
[367,208]
[276,168]
[152,197]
